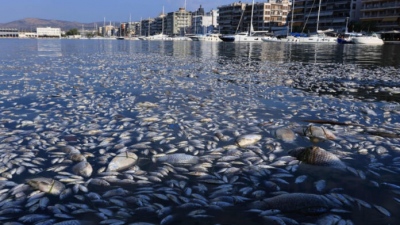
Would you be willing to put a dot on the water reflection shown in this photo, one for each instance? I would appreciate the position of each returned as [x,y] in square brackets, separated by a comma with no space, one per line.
[386,55]
[49,47]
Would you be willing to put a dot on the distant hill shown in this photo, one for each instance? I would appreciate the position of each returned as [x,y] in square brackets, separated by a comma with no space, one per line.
[30,24]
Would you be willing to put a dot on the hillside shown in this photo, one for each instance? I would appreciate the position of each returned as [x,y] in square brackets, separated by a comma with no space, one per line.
[30,24]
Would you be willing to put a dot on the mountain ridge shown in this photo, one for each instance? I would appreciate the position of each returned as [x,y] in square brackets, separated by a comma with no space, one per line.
[30,24]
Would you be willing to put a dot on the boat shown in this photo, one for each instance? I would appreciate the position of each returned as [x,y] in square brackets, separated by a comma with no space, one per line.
[254,36]
[250,36]
[372,39]
[276,39]
[207,37]
[156,37]
[319,37]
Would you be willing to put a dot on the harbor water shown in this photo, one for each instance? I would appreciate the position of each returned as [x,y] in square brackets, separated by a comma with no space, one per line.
[181,132]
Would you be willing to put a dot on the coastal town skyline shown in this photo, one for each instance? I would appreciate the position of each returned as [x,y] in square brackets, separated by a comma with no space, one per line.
[92,11]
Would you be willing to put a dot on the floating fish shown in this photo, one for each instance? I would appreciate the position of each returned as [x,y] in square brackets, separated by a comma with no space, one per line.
[122,161]
[247,139]
[176,159]
[317,156]
[298,202]
[47,185]
[83,169]
[285,134]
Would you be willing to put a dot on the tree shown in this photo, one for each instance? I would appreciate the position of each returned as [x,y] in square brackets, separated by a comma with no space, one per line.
[73,32]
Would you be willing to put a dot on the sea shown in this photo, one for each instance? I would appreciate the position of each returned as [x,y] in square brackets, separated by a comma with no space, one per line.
[99,131]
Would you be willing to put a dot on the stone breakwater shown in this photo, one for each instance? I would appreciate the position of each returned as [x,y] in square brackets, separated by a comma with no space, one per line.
[155,139]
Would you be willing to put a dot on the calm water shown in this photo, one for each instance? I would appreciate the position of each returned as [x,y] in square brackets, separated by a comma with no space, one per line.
[386,55]
[89,95]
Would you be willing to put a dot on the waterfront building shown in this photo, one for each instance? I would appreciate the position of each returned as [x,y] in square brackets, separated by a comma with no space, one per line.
[158,25]
[27,35]
[268,15]
[8,32]
[108,30]
[178,22]
[333,15]
[133,29]
[145,27]
[203,23]
[236,17]
[230,17]
[48,32]
[382,14]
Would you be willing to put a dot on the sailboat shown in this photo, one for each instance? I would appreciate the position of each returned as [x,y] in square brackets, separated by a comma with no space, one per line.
[250,36]
[318,37]
[160,36]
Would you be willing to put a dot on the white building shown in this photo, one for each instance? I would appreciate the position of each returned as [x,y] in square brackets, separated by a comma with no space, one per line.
[48,32]
[203,24]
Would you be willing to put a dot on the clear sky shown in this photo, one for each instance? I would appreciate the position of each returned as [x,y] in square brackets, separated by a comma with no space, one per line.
[87,11]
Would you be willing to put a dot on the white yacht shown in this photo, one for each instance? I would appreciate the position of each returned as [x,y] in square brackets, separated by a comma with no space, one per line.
[255,36]
[373,39]
[207,37]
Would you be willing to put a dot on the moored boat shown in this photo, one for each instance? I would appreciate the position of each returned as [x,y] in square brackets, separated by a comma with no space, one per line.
[207,37]
[373,39]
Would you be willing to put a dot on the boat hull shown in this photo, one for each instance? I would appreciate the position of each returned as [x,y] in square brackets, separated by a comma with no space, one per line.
[368,40]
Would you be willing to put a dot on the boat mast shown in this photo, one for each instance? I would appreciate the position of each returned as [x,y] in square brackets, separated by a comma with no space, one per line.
[162,24]
[251,19]
[319,10]
[291,22]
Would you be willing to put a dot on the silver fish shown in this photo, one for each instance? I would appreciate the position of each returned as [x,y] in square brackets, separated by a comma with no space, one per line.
[47,185]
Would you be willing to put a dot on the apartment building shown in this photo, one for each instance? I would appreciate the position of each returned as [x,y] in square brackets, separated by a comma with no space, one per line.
[178,22]
[382,14]
[236,17]
[333,14]
[48,32]
[269,14]
[230,16]
[159,24]
[203,23]
[8,32]
[145,27]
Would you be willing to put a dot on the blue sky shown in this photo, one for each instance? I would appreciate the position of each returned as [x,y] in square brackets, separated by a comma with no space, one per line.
[87,11]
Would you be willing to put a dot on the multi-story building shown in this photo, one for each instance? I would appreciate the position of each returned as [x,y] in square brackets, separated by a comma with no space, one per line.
[178,22]
[203,23]
[236,17]
[230,16]
[269,14]
[48,32]
[332,14]
[133,29]
[159,24]
[8,32]
[145,27]
[382,14]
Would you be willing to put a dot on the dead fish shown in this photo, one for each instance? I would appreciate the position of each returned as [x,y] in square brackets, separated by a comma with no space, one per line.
[47,185]
[317,156]
[316,133]
[247,139]
[122,161]
[83,169]
[176,159]
[298,202]
[285,134]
